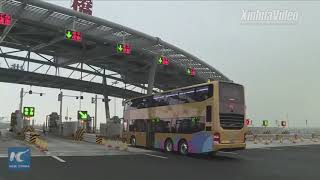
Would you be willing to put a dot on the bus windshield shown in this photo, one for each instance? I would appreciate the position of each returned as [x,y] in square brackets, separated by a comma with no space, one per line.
[231,93]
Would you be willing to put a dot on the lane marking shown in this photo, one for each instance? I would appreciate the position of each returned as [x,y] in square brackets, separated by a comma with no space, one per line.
[3,155]
[162,157]
[59,159]
[228,152]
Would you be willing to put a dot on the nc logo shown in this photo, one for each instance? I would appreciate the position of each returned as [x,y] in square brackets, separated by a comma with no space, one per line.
[19,158]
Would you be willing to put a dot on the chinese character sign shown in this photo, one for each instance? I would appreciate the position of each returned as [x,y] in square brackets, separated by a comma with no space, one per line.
[84,6]
[5,19]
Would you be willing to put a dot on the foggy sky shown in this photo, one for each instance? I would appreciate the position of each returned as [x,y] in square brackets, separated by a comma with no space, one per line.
[277,64]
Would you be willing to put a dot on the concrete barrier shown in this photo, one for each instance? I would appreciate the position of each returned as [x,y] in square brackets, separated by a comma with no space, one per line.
[31,137]
[92,138]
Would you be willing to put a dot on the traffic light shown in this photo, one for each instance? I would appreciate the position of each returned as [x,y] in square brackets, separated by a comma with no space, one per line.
[283,123]
[81,97]
[123,48]
[191,71]
[60,97]
[83,115]
[265,123]
[28,111]
[247,122]
[163,60]
[73,35]
[5,19]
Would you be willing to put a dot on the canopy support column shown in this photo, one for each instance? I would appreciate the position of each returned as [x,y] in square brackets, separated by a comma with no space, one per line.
[152,74]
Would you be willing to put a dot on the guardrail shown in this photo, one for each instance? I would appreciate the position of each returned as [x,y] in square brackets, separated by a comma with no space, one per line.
[269,138]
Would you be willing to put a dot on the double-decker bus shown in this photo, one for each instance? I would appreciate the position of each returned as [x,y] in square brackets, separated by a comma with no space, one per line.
[203,118]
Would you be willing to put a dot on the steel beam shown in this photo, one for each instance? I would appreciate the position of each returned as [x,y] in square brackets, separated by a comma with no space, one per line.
[43,45]
[7,30]
[152,74]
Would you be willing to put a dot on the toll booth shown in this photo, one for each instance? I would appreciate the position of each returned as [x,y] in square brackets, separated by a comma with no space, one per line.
[52,122]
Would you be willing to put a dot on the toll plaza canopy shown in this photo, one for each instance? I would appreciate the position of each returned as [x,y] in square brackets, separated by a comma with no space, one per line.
[40,27]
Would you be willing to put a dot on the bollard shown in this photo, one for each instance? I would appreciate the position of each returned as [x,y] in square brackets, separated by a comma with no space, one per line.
[281,140]
[255,141]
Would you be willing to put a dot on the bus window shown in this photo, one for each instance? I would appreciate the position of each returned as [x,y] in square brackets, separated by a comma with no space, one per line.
[162,126]
[189,125]
[172,98]
[202,93]
[160,100]
[138,125]
[187,95]
[131,125]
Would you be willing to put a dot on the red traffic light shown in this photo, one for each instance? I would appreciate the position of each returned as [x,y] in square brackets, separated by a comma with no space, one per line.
[5,19]
[163,60]
[247,122]
[123,48]
[73,35]
[191,72]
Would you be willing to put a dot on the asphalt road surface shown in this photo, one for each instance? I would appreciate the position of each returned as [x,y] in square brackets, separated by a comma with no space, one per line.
[283,163]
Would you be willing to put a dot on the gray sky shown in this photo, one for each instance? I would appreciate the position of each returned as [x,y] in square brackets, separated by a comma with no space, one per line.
[277,64]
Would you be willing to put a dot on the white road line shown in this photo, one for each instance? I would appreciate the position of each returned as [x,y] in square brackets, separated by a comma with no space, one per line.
[162,157]
[228,152]
[3,155]
[59,159]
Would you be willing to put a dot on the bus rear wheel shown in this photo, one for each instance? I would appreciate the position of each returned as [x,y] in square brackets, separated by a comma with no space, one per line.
[168,145]
[133,141]
[183,147]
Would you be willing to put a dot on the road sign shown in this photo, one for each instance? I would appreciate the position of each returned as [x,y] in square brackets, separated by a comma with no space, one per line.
[123,48]
[19,158]
[283,123]
[28,111]
[265,123]
[73,35]
[191,71]
[163,60]
[83,115]
[5,19]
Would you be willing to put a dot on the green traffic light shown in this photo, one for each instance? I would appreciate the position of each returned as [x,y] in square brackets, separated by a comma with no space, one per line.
[68,34]
[160,60]
[119,47]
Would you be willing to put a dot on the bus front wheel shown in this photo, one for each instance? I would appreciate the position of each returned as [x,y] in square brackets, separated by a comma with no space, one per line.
[133,141]
[183,147]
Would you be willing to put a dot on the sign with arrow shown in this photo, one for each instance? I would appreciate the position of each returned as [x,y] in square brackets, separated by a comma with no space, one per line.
[83,115]
[163,60]
[123,48]
[73,35]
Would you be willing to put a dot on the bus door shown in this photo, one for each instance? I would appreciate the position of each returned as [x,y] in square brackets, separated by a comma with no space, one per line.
[150,133]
